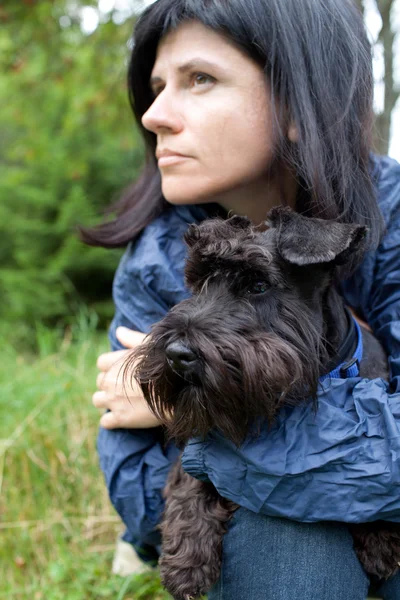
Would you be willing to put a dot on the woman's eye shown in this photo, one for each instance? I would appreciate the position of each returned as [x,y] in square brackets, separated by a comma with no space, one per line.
[260,287]
[201,78]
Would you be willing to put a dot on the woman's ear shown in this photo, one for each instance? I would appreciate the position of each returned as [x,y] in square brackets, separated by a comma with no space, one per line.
[293,133]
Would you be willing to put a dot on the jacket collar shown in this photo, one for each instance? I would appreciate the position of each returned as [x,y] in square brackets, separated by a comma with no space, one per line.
[348,367]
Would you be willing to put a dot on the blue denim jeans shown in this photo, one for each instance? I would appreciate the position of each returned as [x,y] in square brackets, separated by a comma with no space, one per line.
[266,558]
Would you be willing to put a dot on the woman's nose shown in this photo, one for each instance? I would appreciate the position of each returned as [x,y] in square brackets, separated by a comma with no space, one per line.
[162,114]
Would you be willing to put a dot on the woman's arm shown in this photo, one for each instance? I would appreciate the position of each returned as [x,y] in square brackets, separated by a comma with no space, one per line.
[341,463]
[133,458]
[382,309]
[374,289]
[136,461]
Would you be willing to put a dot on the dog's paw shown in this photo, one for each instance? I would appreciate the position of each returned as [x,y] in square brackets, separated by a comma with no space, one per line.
[189,583]
[378,551]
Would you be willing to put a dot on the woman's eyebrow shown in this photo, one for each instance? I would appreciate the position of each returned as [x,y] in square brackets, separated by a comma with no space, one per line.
[194,63]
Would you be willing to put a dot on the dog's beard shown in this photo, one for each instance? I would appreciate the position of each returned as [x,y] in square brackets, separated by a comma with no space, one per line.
[237,385]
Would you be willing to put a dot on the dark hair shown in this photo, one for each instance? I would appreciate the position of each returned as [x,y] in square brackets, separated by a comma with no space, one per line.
[317,58]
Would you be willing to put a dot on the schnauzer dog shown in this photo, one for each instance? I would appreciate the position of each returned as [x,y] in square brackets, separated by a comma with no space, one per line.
[264,323]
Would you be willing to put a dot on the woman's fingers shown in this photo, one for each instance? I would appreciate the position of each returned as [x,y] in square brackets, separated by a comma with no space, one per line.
[108,421]
[116,382]
[99,399]
[130,416]
[117,391]
[102,381]
[129,337]
[108,359]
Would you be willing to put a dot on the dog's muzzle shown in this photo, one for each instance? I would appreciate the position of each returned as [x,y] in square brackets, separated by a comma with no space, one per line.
[183,361]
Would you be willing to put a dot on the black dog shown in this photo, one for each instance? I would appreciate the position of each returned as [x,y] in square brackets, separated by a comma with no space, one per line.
[264,323]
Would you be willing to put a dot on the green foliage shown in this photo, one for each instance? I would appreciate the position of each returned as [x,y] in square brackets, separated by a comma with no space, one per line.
[57,526]
[67,147]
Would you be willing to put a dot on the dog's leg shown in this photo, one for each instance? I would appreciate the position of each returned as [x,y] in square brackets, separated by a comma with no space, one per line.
[193,525]
[377,546]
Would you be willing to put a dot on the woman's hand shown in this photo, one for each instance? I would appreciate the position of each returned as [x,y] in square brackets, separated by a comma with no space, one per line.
[125,401]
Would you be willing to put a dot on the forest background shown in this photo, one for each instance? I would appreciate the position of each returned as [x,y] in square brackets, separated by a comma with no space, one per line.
[68,146]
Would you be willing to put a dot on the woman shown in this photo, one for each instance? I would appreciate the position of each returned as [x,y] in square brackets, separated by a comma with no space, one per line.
[248,104]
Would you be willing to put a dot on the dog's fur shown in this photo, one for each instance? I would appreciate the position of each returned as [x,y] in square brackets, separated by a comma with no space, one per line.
[265,321]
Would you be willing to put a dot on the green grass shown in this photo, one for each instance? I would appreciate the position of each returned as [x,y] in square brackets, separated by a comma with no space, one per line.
[57,527]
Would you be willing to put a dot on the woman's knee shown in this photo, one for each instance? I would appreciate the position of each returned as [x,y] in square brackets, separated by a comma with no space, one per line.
[277,559]
[390,589]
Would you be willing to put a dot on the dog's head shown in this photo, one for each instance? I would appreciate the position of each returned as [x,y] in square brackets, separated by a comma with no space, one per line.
[251,336]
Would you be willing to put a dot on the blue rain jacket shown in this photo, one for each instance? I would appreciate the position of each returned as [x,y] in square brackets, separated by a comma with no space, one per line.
[342,464]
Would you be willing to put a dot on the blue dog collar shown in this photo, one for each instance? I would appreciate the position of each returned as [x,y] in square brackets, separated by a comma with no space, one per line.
[349,368]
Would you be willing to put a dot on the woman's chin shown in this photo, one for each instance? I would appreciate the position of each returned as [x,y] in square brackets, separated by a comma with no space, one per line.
[178,199]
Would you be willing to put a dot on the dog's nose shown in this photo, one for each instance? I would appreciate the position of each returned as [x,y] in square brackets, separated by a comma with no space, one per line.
[180,357]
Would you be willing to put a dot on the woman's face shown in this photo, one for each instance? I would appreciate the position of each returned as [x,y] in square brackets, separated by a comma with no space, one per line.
[212,105]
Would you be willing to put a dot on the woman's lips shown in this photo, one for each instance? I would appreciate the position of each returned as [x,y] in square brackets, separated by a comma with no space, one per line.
[166,161]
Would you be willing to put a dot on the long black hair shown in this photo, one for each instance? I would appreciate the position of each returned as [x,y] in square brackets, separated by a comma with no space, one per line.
[317,59]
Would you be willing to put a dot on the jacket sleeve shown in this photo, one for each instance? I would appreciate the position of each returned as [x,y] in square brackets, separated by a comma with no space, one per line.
[136,462]
[382,308]
[342,463]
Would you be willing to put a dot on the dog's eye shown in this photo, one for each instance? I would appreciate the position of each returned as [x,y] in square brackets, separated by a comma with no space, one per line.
[260,287]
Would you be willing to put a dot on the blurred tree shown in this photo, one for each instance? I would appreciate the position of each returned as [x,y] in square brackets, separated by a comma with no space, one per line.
[67,147]
[386,39]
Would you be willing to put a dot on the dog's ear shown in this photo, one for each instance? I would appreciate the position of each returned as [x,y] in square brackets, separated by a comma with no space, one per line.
[192,235]
[305,241]
[216,228]
[239,222]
